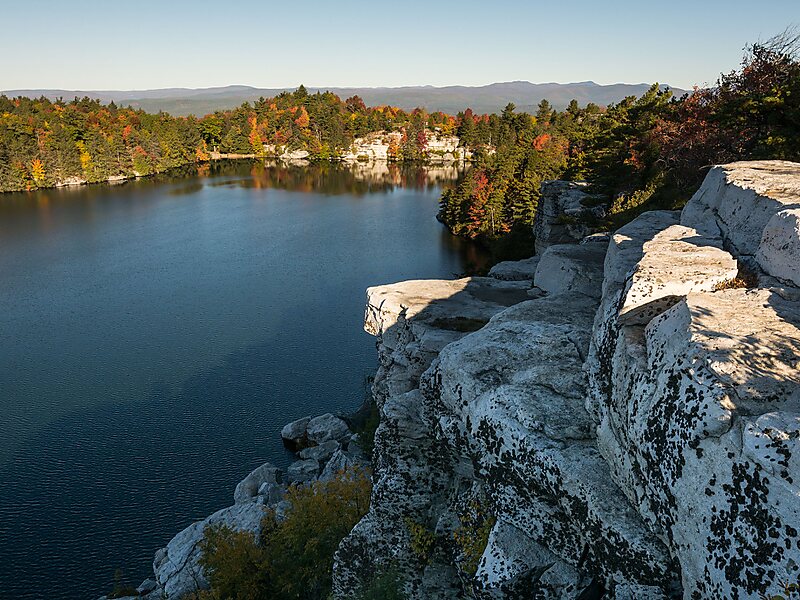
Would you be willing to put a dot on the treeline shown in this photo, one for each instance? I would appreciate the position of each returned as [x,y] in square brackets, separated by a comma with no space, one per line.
[320,123]
[642,153]
[45,143]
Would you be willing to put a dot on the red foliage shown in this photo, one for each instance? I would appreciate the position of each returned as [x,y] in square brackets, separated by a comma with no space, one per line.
[477,207]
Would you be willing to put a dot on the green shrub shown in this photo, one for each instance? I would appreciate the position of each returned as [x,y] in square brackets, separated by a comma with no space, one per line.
[385,586]
[472,536]
[121,587]
[292,558]
[422,539]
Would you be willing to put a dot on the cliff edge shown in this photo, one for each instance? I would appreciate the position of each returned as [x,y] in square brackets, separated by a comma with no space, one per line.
[619,415]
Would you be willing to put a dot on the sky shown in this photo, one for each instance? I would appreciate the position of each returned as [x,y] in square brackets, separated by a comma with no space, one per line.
[90,45]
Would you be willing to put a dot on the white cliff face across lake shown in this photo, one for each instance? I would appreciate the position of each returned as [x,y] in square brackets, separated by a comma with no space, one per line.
[158,334]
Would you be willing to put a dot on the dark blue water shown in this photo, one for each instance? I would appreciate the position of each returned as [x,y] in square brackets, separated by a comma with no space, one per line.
[155,336]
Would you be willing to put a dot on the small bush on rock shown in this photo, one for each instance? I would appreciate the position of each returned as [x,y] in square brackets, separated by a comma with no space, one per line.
[472,536]
[385,586]
[422,539]
[293,557]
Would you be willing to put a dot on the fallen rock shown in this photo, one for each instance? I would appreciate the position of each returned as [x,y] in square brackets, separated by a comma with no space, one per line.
[147,586]
[247,490]
[340,462]
[780,245]
[294,434]
[320,453]
[737,200]
[560,214]
[270,493]
[675,262]
[302,471]
[327,427]
[572,267]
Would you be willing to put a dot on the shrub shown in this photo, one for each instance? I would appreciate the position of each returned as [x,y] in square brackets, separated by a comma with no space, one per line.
[121,587]
[293,557]
[422,539]
[385,586]
[472,536]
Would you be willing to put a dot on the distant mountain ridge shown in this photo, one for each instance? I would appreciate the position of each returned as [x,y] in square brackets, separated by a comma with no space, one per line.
[449,99]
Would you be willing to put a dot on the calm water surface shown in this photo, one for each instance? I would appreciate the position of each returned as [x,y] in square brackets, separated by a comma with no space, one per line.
[155,336]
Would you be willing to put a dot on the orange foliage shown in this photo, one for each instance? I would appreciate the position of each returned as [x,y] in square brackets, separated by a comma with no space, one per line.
[541,141]
[303,120]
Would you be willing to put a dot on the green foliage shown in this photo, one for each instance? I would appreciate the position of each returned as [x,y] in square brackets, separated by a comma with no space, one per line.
[501,193]
[121,587]
[472,535]
[790,591]
[366,428]
[640,154]
[423,540]
[385,586]
[293,557]
[45,143]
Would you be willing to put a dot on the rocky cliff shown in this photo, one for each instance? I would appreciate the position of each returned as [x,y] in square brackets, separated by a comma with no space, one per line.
[619,415]
[382,146]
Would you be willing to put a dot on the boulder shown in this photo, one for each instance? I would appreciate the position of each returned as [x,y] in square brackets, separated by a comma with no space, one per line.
[510,555]
[561,214]
[247,490]
[327,427]
[779,249]
[675,262]
[294,434]
[737,200]
[302,471]
[295,155]
[515,270]
[176,567]
[712,372]
[147,586]
[271,493]
[571,267]
[341,461]
[321,453]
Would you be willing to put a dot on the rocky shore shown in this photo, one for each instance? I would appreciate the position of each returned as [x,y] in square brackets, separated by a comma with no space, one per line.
[325,447]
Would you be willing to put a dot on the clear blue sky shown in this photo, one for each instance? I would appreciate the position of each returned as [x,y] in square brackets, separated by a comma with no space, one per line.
[82,44]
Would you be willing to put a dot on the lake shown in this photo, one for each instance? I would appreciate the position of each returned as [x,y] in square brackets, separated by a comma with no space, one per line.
[156,336]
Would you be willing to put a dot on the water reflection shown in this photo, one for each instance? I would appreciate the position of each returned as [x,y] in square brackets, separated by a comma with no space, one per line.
[333,178]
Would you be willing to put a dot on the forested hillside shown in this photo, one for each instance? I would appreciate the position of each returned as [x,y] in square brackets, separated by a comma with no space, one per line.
[44,143]
[641,153]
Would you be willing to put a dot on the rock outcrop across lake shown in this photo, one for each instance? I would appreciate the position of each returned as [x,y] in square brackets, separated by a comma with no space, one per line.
[618,417]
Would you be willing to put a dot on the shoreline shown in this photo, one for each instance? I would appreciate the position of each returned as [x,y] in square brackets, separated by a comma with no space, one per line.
[218,157]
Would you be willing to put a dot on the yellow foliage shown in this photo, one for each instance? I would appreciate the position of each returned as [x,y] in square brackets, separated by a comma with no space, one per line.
[86,158]
[472,536]
[37,170]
